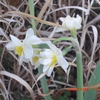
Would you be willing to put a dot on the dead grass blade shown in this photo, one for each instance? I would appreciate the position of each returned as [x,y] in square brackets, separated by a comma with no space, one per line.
[20,80]
[95,33]
[98,1]
[33,17]
[43,95]
[43,10]
[2,33]
[4,90]
[69,7]
[85,87]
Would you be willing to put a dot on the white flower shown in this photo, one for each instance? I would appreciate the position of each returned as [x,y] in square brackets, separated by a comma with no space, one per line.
[70,23]
[50,57]
[23,48]
[35,58]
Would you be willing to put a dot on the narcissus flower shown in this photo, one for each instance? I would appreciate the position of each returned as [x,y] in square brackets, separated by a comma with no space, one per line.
[51,57]
[23,48]
[35,58]
[70,23]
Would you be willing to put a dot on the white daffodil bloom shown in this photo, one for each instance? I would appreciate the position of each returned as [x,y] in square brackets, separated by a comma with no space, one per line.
[35,58]
[50,57]
[23,48]
[70,23]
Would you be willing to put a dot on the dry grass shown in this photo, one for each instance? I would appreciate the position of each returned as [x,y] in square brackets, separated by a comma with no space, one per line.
[22,82]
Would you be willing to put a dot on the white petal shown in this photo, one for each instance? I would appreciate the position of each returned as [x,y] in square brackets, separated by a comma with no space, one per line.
[32,40]
[26,60]
[31,60]
[15,41]
[54,49]
[28,51]
[36,40]
[48,53]
[21,59]
[45,68]
[76,25]
[10,46]
[29,33]
[60,29]
[41,60]
[63,63]
[62,19]
[79,19]
[37,64]
[68,26]
[68,17]
[42,54]
[47,62]
[59,52]
[49,71]
[52,46]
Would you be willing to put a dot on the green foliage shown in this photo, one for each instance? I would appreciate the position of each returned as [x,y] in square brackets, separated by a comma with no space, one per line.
[25,98]
[0,51]
[64,96]
[66,50]
[65,38]
[95,79]
[1,97]
[44,84]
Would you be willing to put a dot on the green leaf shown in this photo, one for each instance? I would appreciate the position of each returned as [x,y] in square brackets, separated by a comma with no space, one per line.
[63,98]
[66,50]
[25,99]
[31,9]
[66,38]
[41,46]
[44,83]
[1,51]
[95,79]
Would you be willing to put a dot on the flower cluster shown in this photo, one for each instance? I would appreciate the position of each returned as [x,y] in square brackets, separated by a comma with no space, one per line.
[48,57]
[26,52]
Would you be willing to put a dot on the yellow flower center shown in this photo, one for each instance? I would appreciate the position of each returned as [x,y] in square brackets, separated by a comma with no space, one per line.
[37,52]
[54,61]
[35,59]
[19,50]
[74,29]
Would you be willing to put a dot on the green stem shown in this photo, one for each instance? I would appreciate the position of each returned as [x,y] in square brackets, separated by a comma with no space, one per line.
[73,33]
[31,8]
[40,68]
[79,69]
[44,83]
[79,76]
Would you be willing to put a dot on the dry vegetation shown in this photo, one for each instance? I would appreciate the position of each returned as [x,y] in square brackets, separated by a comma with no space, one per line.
[22,82]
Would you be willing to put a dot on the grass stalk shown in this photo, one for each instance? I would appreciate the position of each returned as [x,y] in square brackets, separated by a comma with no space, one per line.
[31,8]
[79,69]
[44,83]
[79,76]
[40,68]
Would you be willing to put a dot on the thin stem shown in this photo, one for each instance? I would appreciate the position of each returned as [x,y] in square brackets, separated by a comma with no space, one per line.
[79,76]
[79,69]
[31,8]
[44,84]
[73,33]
